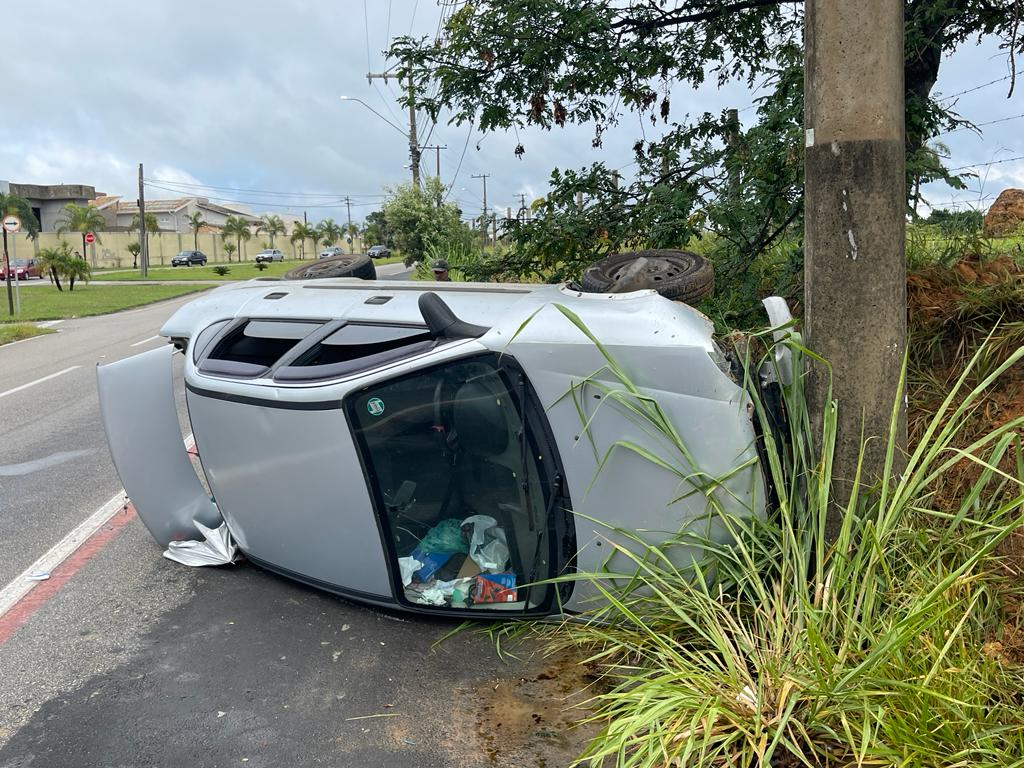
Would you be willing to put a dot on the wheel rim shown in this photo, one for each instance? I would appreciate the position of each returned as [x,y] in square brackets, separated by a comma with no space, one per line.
[658,268]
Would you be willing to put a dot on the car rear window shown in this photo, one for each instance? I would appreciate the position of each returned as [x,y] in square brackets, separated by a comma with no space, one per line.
[249,349]
[356,347]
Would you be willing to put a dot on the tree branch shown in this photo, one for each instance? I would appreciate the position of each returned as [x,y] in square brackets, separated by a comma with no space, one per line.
[688,18]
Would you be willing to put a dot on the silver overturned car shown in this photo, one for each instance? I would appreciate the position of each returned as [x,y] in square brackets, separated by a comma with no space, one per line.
[436,447]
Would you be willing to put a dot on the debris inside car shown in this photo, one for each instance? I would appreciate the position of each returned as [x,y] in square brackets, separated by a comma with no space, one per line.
[450,448]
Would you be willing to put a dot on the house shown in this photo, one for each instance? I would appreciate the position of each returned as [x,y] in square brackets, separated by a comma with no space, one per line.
[171,215]
[48,200]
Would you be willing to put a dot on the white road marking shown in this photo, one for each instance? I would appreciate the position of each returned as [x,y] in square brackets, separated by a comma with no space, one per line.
[39,381]
[27,467]
[49,323]
[63,549]
[144,341]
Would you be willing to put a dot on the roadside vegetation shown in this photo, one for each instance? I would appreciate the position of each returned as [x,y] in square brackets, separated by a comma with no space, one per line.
[17,331]
[42,304]
[896,644]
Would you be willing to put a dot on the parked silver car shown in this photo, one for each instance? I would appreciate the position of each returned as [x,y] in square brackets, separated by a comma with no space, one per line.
[269,254]
[414,445]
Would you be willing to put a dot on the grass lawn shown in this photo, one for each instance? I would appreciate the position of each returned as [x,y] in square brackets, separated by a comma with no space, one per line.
[243,271]
[48,303]
[17,331]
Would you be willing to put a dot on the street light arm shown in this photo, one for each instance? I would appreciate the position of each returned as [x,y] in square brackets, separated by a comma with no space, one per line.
[378,114]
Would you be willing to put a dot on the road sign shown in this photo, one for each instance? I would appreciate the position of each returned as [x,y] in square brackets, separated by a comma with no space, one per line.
[90,237]
[12,223]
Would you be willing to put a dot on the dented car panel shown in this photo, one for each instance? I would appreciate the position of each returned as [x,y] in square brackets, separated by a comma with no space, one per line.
[338,425]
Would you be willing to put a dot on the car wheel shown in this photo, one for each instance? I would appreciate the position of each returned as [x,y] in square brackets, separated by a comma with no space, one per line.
[354,265]
[679,275]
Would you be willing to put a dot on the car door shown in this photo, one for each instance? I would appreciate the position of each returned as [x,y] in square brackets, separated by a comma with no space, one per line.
[467,487]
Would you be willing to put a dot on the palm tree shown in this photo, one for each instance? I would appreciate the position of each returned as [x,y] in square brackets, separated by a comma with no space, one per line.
[195,221]
[229,248]
[83,219]
[271,224]
[352,230]
[56,261]
[134,249]
[302,232]
[152,225]
[328,232]
[12,204]
[238,228]
[77,269]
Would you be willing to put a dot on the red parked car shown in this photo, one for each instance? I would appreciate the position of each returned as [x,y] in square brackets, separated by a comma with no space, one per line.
[22,269]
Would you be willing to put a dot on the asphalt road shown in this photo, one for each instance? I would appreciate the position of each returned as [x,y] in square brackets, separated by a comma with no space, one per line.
[139,661]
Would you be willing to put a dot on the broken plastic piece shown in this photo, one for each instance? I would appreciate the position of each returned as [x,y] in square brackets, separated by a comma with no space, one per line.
[41,576]
[217,549]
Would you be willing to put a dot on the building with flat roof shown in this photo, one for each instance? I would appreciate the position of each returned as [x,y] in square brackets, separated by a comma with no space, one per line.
[48,200]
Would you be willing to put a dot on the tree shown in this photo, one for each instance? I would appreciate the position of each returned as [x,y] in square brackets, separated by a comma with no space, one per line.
[376,230]
[594,62]
[229,249]
[56,261]
[76,268]
[328,232]
[18,206]
[83,219]
[417,224]
[352,232]
[152,225]
[301,232]
[134,249]
[195,222]
[238,228]
[271,225]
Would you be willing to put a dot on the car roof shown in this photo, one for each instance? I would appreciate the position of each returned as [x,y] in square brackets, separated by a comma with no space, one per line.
[639,318]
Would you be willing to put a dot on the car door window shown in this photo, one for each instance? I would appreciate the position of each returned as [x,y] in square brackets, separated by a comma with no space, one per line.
[464,485]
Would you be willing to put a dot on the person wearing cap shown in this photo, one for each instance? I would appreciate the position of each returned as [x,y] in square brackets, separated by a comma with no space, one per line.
[440,268]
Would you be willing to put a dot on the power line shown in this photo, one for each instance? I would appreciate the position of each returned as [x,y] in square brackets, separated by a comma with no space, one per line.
[985,165]
[258,191]
[465,146]
[982,125]
[983,85]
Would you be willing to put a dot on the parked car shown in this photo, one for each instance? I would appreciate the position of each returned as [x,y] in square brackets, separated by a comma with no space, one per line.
[331,252]
[269,254]
[438,448]
[21,269]
[188,258]
[379,252]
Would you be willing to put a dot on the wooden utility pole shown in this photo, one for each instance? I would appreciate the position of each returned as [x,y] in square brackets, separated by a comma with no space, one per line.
[143,242]
[483,218]
[855,268]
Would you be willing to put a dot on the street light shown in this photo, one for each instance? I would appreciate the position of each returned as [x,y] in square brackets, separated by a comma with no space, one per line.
[378,114]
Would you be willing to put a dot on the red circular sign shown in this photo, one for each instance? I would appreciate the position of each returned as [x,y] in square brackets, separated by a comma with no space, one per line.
[90,237]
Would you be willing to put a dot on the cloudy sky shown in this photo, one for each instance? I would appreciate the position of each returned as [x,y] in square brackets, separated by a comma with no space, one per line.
[244,97]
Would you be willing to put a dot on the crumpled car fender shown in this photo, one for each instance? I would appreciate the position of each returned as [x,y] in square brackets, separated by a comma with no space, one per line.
[141,422]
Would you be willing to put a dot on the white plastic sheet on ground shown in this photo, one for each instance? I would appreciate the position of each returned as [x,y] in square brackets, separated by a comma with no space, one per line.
[218,548]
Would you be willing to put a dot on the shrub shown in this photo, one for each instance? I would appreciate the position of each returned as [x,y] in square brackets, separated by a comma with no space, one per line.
[260,265]
[221,270]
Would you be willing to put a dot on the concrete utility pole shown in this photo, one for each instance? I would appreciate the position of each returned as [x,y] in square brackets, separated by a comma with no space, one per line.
[437,149]
[143,244]
[855,269]
[348,232]
[483,218]
[414,147]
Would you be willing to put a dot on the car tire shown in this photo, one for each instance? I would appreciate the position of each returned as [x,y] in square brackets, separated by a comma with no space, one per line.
[678,275]
[348,265]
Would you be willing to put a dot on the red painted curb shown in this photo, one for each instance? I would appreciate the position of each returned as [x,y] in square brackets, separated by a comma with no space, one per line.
[41,594]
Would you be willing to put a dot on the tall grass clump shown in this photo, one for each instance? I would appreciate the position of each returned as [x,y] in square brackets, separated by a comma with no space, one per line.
[798,651]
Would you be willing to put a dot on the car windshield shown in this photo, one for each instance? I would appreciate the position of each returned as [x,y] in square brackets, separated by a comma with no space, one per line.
[184,254]
[22,262]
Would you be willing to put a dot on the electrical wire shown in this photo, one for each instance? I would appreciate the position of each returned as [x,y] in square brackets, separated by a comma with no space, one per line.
[981,125]
[258,191]
[985,165]
[465,146]
[979,87]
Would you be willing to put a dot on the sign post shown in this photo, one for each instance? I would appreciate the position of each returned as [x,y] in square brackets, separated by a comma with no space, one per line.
[11,223]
